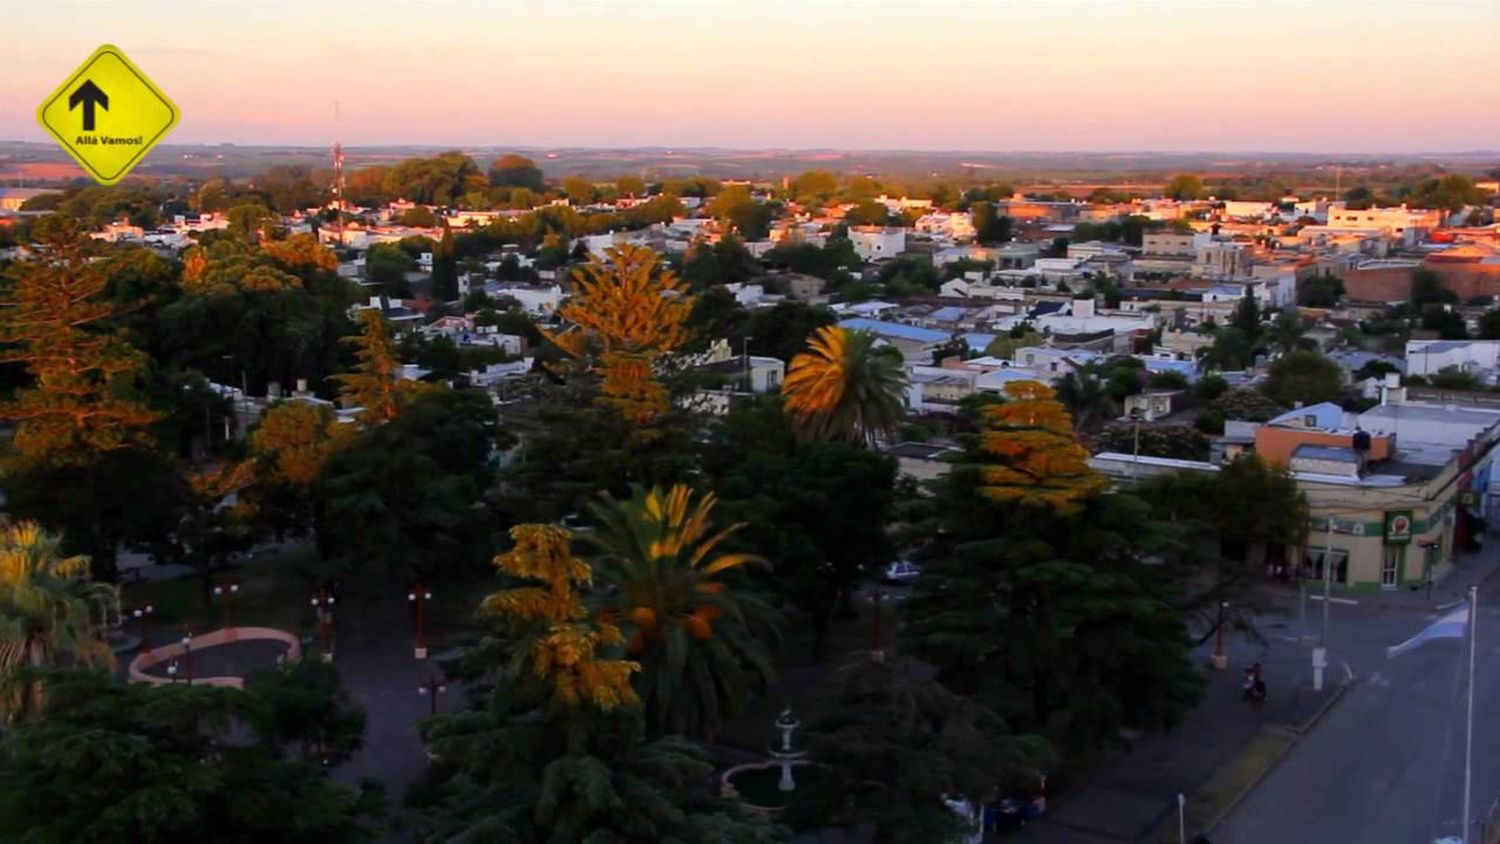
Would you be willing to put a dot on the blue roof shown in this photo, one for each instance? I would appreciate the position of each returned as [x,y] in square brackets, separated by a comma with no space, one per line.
[894,329]
[951,313]
[1325,415]
[979,342]
[1044,308]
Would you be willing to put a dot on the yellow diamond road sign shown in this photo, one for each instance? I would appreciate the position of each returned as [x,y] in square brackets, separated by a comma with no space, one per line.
[107,115]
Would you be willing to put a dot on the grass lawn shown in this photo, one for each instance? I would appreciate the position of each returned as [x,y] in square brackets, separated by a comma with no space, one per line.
[1228,783]
[274,592]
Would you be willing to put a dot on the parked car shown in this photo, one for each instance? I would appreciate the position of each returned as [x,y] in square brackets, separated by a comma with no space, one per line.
[902,571]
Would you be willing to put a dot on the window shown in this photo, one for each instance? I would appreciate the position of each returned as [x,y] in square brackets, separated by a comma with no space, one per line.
[1312,564]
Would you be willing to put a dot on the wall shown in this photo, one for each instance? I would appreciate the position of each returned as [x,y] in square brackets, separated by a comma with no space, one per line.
[1389,284]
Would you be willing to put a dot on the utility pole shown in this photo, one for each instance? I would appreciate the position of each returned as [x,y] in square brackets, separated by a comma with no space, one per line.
[1469,716]
[432,688]
[418,598]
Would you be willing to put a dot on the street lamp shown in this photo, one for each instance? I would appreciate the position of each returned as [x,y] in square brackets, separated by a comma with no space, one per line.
[431,689]
[418,598]
[322,604]
[226,590]
[1135,452]
[140,614]
[187,652]
[1220,660]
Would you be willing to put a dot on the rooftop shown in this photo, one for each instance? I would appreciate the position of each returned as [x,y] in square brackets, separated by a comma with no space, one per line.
[894,329]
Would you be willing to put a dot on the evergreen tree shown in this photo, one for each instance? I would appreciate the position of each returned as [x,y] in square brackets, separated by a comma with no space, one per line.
[1028,451]
[445,269]
[56,321]
[1246,316]
[376,386]
[557,753]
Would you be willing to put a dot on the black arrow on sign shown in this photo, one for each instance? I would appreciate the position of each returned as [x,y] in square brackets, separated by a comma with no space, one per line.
[89,95]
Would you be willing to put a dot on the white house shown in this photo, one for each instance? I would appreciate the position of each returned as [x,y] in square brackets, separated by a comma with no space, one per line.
[536,299]
[1476,357]
[872,243]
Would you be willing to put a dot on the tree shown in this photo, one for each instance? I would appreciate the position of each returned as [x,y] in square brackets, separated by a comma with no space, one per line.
[1085,396]
[1232,350]
[56,322]
[400,497]
[1304,377]
[1052,619]
[694,637]
[580,190]
[990,228]
[49,610]
[1288,333]
[289,448]
[557,751]
[843,388]
[1184,186]
[307,707]
[1029,453]
[1453,378]
[1489,325]
[814,186]
[114,761]
[1427,288]
[626,312]
[1247,404]
[445,269]
[517,171]
[376,386]
[632,186]
[867,213]
[900,745]
[1257,505]
[1179,442]
[1449,324]
[1247,316]
[818,509]
[1320,291]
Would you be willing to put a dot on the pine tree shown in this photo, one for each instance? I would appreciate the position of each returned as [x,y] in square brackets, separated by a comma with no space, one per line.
[376,386]
[444,268]
[626,311]
[55,320]
[1247,316]
[1029,453]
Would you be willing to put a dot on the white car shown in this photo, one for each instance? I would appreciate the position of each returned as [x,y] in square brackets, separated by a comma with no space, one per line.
[902,571]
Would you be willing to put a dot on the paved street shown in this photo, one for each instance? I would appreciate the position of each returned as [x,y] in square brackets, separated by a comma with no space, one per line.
[1386,767]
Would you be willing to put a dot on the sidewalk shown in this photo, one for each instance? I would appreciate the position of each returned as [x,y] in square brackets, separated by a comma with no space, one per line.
[1127,797]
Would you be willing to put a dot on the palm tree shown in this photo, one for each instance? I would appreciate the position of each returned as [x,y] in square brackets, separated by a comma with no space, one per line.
[843,388]
[48,608]
[696,640]
[1288,332]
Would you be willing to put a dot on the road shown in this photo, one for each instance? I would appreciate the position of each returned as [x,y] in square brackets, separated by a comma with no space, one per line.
[1386,767]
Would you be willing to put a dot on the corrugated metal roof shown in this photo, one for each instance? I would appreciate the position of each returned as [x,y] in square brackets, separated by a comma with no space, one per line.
[894,329]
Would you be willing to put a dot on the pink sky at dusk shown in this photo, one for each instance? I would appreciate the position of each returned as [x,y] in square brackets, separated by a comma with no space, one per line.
[1274,75]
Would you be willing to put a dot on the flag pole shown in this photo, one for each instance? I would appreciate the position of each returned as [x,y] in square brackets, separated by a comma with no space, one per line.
[1469,721]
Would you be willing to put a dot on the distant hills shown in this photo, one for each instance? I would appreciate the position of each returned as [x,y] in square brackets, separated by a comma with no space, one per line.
[25,161]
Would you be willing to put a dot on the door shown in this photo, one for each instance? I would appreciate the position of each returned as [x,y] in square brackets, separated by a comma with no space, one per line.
[1389,564]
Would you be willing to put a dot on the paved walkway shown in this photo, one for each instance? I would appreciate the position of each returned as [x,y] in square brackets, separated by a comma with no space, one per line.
[373,652]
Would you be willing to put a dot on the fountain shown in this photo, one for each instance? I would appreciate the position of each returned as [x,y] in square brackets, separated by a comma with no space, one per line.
[767,786]
[786,722]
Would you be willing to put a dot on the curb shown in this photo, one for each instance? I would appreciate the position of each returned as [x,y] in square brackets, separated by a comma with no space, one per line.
[1252,785]
[1296,734]
[1302,729]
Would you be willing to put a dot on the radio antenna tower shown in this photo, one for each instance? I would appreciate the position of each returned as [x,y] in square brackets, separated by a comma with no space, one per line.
[338,182]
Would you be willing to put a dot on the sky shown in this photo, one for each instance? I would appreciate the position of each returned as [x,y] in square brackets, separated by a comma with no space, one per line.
[1353,76]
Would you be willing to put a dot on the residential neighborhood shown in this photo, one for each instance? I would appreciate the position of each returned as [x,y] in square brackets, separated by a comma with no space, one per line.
[1054,423]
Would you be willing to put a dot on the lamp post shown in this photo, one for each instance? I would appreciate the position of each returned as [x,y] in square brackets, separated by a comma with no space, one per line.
[1220,660]
[1135,452]
[322,604]
[140,614]
[745,359]
[187,652]
[226,590]
[418,598]
[432,688]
